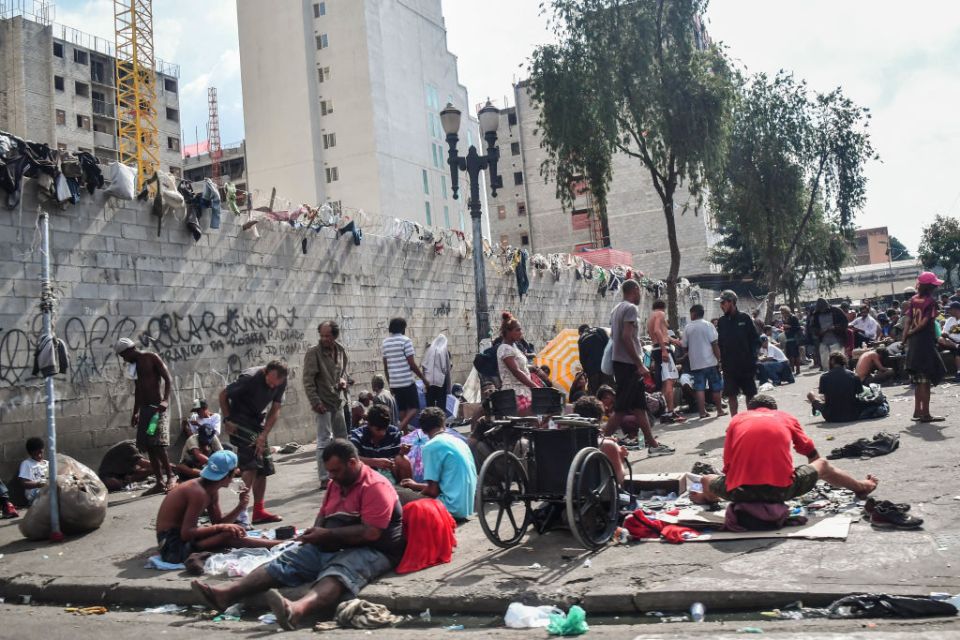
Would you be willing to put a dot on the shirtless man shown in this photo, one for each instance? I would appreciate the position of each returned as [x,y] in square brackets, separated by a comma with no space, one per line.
[147,370]
[868,362]
[178,533]
[658,332]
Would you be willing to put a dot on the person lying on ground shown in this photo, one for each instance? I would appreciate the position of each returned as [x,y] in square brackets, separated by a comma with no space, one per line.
[358,536]
[449,471]
[379,447]
[838,390]
[758,461]
[178,530]
[34,469]
[196,450]
[123,464]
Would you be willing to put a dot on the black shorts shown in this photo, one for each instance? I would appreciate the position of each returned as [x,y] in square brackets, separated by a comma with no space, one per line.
[804,480]
[436,397]
[630,391]
[741,381]
[407,397]
[173,549]
[247,459]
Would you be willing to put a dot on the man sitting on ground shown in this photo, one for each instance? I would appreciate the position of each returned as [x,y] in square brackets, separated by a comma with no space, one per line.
[872,360]
[196,451]
[449,471]
[774,366]
[758,461]
[839,388]
[379,447]
[123,464]
[357,537]
[178,530]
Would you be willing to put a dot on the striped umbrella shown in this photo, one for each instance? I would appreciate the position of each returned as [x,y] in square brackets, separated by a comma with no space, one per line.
[562,355]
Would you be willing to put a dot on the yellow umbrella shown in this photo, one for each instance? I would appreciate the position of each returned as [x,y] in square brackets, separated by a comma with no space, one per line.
[562,355]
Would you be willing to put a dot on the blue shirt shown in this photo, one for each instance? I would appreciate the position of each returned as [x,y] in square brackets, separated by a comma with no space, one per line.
[449,462]
[389,447]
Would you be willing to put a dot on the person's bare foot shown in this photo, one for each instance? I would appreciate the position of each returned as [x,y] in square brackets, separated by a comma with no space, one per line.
[867,487]
[210,596]
[281,608]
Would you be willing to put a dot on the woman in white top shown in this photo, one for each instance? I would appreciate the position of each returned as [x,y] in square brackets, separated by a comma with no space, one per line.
[512,364]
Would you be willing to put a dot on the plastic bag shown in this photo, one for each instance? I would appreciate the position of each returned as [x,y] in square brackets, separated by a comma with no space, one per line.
[83,502]
[606,362]
[416,439]
[122,181]
[572,624]
[521,616]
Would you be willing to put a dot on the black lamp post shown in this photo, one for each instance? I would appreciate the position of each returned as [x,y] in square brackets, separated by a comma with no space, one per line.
[473,164]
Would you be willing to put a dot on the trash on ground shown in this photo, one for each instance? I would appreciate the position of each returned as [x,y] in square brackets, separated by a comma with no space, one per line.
[425,615]
[749,630]
[881,605]
[268,618]
[573,623]
[86,611]
[675,619]
[697,611]
[588,563]
[535,565]
[522,616]
[167,608]
[454,627]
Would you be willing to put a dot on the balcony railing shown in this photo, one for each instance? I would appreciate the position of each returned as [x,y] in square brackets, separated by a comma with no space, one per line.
[104,108]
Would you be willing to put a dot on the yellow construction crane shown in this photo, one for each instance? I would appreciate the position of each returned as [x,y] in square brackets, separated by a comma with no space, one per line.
[136,86]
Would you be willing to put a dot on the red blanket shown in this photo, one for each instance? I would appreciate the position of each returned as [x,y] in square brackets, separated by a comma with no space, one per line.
[429,530]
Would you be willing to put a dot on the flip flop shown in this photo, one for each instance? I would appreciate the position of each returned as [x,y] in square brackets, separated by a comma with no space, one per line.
[280,607]
[205,593]
[932,419]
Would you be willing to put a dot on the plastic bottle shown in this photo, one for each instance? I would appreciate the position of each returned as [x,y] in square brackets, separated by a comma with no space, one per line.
[152,426]
[697,611]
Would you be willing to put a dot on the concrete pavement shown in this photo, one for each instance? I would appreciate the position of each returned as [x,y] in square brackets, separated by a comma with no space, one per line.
[106,566]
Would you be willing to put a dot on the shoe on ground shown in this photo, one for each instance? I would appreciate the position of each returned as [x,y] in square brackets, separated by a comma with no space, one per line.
[9,511]
[660,450]
[892,518]
[872,503]
[265,517]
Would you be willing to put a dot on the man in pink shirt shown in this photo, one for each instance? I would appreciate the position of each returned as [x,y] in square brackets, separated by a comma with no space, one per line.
[758,461]
[358,536]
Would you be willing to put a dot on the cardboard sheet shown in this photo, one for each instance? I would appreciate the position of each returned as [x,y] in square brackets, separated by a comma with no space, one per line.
[832,528]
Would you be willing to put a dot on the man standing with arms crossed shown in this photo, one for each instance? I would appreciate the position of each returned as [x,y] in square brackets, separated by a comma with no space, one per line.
[628,369]
[739,343]
[324,379]
[663,358]
[147,370]
[243,404]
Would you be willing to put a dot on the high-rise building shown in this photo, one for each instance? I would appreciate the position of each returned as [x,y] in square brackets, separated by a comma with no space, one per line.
[58,86]
[341,103]
[872,246]
[198,165]
[527,212]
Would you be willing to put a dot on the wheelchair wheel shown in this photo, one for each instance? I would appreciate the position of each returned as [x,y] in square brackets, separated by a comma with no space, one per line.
[592,498]
[502,503]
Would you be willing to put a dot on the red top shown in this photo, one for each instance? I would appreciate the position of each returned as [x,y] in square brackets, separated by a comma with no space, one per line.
[921,307]
[371,499]
[757,448]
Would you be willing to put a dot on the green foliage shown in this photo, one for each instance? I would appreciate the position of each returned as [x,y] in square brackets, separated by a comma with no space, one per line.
[898,250]
[638,78]
[940,247]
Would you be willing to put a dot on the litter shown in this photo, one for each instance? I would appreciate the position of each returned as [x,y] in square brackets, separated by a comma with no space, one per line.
[521,616]
[675,619]
[361,614]
[86,611]
[573,623]
[454,627]
[167,608]
[535,565]
[882,605]
[697,611]
[268,618]
[749,630]
[425,616]
[240,562]
[588,563]
[155,562]
[233,613]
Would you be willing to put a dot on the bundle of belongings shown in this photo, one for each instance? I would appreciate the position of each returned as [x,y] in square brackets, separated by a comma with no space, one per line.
[60,174]
[880,445]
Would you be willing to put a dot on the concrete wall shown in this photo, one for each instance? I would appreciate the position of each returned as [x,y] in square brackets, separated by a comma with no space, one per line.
[214,307]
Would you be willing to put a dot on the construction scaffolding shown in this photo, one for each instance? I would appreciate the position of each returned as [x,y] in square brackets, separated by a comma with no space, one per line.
[136,86]
[213,135]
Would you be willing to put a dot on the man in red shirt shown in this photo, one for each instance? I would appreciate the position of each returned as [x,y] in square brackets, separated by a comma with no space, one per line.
[758,462]
[358,536]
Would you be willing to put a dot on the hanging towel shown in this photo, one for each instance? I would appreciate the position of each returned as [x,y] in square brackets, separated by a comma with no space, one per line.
[523,281]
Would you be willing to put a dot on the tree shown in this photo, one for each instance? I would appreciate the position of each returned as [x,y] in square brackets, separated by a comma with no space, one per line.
[940,247]
[637,78]
[898,250]
[791,182]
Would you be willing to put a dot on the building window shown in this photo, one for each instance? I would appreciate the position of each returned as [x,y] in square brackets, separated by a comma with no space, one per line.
[319,9]
[80,57]
[427,210]
[515,148]
[322,41]
[96,71]
[512,118]
[524,240]
[437,155]
[462,225]
[443,187]
[446,216]
[502,211]
[333,174]
[175,172]
[81,89]
[173,143]
[169,84]
[58,83]
[61,117]
[521,208]
[326,106]
[173,114]
[323,73]
[426,182]
[58,49]
[83,122]
[329,140]
[518,177]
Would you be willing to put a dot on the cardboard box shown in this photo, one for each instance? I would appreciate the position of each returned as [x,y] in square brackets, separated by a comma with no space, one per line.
[660,483]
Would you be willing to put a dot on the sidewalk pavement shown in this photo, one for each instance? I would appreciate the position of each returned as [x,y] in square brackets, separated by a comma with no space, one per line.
[106,566]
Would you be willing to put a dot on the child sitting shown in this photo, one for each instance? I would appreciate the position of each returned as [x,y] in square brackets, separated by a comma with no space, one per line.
[33,470]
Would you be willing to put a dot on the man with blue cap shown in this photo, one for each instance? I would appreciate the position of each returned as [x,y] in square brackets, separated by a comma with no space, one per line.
[178,530]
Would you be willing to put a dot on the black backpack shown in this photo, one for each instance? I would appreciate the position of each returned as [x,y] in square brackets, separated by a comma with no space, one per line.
[485,363]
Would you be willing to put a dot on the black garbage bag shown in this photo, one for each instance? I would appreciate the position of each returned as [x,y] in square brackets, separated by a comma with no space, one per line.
[881,605]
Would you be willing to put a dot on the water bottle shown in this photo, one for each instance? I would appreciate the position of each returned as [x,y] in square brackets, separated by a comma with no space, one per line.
[697,610]
[154,421]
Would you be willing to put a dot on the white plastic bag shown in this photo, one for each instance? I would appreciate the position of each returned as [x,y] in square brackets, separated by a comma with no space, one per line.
[606,363]
[521,616]
[122,181]
[63,189]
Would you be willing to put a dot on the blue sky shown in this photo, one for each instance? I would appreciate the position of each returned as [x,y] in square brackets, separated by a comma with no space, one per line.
[898,60]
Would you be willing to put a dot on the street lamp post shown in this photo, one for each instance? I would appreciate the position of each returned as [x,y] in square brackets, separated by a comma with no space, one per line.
[474,164]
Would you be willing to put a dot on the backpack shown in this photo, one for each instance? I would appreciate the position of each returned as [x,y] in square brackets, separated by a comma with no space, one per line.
[485,363]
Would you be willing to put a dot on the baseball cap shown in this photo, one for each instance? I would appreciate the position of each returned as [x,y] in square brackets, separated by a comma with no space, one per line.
[199,404]
[122,345]
[219,464]
[928,277]
[909,291]
[727,296]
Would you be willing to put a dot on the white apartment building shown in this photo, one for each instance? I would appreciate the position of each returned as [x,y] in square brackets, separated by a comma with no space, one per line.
[58,86]
[341,103]
[527,213]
